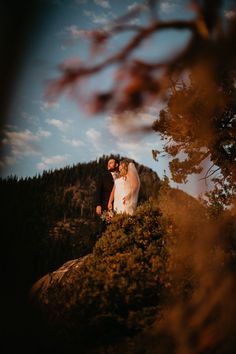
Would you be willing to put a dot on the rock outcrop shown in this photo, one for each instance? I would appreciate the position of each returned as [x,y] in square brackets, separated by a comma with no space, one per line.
[62,276]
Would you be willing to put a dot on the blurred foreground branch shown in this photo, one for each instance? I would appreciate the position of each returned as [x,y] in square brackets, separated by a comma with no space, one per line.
[197,84]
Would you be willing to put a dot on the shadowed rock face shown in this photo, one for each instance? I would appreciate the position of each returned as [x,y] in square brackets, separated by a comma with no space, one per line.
[62,276]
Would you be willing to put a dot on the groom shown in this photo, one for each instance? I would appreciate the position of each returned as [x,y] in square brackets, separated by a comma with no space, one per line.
[105,184]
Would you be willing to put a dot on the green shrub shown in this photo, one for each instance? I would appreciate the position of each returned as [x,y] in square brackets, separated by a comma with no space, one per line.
[124,278]
[142,270]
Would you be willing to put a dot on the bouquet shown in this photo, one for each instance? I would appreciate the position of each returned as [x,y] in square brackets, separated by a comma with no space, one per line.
[107,215]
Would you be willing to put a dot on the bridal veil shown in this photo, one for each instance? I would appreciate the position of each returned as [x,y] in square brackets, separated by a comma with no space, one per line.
[134,180]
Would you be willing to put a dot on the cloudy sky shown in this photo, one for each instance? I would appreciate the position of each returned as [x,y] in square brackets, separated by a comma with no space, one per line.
[42,136]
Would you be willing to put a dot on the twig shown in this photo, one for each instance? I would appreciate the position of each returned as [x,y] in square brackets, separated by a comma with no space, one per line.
[212,173]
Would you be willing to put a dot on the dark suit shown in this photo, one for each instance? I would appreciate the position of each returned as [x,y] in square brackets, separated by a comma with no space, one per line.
[105,184]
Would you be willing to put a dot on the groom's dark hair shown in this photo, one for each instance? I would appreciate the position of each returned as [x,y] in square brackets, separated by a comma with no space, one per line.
[114,158]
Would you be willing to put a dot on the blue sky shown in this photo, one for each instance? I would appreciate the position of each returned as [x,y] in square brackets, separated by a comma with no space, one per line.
[45,136]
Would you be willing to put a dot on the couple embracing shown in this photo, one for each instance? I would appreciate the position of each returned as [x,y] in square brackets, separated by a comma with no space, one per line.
[118,188]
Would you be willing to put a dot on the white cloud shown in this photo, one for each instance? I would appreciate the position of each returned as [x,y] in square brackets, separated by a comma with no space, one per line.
[62,126]
[73,142]
[128,146]
[101,19]
[95,139]
[43,133]
[103,3]
[127,134]
[135,6]
[128,122]
[135,150]
[76,33]
[21,143]
[128,137]
[167,6]
[31,118]
[45,106]
[93,135]
[49,105]
[52,162]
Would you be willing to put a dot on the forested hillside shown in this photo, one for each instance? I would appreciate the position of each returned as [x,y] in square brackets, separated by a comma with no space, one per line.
[47,220]
[50,218]
[154,261]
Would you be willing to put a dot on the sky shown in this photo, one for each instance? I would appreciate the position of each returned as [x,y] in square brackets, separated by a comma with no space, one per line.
[40,135]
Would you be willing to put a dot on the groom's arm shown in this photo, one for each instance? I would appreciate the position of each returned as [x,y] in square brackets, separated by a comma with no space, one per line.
[98,195]
[111,198]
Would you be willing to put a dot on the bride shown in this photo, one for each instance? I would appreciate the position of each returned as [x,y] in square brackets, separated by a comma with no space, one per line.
[126,189]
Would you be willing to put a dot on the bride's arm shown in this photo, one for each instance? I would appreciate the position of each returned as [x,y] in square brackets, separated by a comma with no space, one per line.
[111,198]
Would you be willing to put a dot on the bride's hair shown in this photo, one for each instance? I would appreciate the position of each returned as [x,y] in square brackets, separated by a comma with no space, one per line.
[124,168]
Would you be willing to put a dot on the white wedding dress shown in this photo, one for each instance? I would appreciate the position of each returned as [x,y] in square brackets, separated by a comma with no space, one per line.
[128,187]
